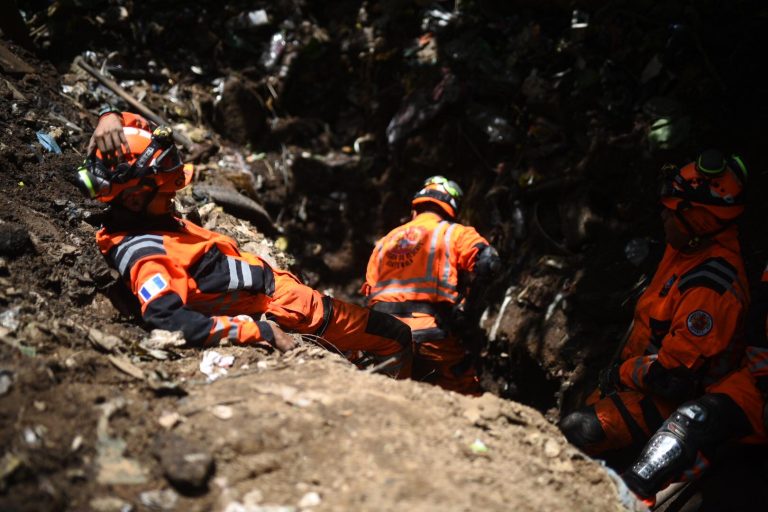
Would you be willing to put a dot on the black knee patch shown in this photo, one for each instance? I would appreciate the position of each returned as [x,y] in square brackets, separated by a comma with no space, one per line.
[582,428]
[387,326]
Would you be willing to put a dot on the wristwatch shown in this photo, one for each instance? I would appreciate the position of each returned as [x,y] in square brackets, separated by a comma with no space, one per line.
[109,109]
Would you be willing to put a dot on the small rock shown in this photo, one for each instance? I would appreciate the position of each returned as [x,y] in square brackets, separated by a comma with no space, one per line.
[14,239]
[6,381]
[40,406]
[186,465]
[311,499]
[551,448]
[253,498]
[165,499]
[110,504]
[168,420]
[159,339]
[223,412]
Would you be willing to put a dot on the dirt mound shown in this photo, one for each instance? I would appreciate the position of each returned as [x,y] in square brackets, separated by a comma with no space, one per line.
[305,430]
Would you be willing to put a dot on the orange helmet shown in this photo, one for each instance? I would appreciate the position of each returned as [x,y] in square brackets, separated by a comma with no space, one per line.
[440,191]
[151,160]
[712,182]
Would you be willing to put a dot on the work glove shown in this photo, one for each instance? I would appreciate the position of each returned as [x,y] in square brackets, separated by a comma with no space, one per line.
[609,380]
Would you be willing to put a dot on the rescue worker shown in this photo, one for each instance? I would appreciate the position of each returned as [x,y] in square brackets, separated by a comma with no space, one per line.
[197,281]
[687,327]
[421,271]
[735,408]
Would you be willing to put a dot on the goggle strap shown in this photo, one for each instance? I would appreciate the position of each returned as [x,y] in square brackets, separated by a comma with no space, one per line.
[86,180]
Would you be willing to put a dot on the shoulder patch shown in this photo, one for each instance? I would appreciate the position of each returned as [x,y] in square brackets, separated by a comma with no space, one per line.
[700,323]
[152,287]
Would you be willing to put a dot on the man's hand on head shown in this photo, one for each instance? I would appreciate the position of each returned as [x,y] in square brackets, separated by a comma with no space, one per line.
[108,136]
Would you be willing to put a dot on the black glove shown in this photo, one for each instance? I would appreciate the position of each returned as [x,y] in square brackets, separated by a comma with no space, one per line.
[609,380]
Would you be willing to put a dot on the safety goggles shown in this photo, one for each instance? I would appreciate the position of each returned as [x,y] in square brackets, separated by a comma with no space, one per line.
[449,186]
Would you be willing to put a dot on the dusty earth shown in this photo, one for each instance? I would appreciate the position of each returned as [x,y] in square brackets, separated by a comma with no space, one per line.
[311,128]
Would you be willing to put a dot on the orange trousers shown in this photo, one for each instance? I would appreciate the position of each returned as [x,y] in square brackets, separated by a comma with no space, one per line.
[342,327]
[741,387]
[627,418]
[443,362]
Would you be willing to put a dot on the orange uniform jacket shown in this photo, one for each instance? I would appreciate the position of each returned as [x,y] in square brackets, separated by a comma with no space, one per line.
[688,323]
[184,273]
[421,262]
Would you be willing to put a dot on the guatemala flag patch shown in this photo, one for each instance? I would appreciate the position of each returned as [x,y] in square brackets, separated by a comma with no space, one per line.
[152,287]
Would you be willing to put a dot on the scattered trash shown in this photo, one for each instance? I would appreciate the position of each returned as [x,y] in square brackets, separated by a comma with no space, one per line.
[223,412]
[77,442]
[159,499]
[106,342]
[6,381]
[637,250]
[160,339]
[10,318]
[127,367]
[215,365]
[277,46]
[310,499]
[33,436]
[579,24]
[48,142]
[668,127]
[478,447]
[160,382]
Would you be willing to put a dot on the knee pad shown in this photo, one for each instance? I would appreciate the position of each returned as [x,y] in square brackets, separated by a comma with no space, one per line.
[708,420]
[582,428]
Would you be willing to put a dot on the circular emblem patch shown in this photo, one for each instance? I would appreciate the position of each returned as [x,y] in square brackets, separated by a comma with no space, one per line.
[403,248]
[699,323]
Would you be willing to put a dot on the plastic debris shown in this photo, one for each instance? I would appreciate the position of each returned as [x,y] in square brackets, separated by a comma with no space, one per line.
[215,365]
[48,142]
[10,318]
[33,436]
[637,250]
[103,341]
[669,128]
[6,381]
[277,46]
[437,18]
[478,447]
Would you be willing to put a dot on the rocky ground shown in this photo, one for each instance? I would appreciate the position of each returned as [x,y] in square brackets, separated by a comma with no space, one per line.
[310,126]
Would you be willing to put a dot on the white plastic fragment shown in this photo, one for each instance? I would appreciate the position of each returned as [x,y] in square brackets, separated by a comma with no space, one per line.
[215,365]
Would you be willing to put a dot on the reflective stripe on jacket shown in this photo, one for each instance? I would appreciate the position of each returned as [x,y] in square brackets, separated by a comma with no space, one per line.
[189,278]
[690,318]
[422,261]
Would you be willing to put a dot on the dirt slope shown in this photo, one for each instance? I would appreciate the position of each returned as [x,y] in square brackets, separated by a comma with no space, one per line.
[90,419]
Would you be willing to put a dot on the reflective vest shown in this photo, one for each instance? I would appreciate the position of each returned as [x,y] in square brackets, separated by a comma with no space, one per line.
[421,261]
